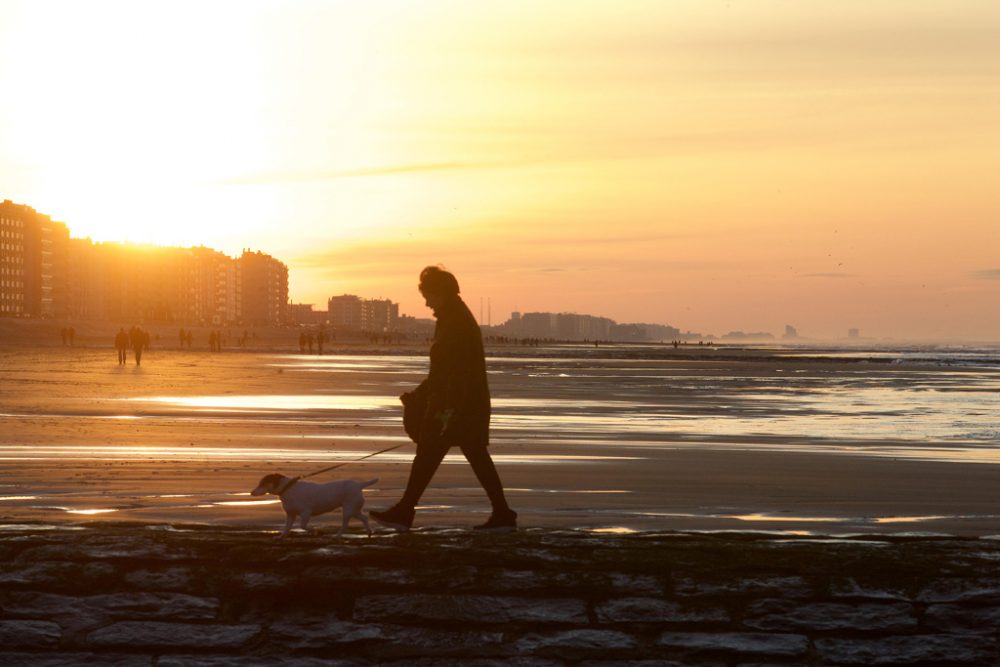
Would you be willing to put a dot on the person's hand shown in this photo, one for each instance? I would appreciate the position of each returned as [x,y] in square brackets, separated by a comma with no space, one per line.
[444,416]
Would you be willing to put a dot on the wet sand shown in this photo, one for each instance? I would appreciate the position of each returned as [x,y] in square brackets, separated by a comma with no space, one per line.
[82,439]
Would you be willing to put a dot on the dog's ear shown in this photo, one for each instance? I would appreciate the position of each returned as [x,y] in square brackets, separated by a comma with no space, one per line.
[271,481]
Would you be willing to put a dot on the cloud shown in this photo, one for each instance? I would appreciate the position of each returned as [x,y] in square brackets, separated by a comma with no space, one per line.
[987,274]
[390,170]
[829,275]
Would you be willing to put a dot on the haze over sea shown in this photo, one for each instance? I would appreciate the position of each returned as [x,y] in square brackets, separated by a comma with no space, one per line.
[623,437]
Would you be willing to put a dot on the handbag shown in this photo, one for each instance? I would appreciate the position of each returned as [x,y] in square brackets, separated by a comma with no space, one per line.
[414,409]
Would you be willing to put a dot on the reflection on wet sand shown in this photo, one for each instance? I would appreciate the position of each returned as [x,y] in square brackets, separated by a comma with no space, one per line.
[723,443]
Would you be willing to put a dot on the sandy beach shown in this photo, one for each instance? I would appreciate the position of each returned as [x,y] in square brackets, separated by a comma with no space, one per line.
[185,436]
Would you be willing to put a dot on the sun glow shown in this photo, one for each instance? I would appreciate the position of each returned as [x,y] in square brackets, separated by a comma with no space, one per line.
[162,129]
[775,159]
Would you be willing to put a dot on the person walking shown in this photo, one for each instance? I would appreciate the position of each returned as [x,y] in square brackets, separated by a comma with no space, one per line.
[121,344]
[452,407]
[139,342]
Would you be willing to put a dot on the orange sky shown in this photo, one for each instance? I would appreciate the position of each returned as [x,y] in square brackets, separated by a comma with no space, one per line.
[710,165]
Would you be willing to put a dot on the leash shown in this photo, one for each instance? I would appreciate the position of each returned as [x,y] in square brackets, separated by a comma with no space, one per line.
[339,465]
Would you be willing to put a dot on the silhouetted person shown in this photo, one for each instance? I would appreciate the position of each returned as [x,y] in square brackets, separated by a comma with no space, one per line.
[63,334]
[452,406]
[121,344]
[211,341]
[71,334]
[139,340]
[181,337]
[320,339]
[309,342]
[302,342]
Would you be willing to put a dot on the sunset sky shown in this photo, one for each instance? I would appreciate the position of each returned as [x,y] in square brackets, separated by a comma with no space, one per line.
[711,165]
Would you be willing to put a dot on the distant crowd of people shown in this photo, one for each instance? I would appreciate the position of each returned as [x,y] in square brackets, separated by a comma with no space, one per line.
[68,335]
[135,338]
[307,339]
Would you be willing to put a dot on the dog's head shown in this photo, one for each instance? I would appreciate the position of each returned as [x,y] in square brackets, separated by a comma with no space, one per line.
[268,484]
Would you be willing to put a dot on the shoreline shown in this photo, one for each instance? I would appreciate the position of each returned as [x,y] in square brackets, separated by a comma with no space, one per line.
[82,435]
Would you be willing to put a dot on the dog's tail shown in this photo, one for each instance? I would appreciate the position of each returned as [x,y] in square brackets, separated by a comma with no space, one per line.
[365,485]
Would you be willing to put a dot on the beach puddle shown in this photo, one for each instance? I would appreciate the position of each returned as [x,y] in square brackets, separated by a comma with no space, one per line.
[87,512]
[788,519]
[245,503]
[612,530]
[574,491]
[274,402]
[18,527]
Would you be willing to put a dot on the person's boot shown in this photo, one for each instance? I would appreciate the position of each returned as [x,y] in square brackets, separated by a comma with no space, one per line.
[396,517]
[503,521]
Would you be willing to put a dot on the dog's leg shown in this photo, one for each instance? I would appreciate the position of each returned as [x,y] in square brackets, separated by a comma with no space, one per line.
[353,510]
[289,520]
[364,519]
[305,521]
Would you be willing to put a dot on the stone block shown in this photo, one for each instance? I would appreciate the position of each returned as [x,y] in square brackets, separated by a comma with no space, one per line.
[116,605]
[245,661]
[249,580]
[73,660]
[851,589]
[576,643]
[960,590]
[509,661]
[788,616]
[552,582]
[923,649]
[652,663]
[322,633]
[36,574]
[469,609]
[642,584]
[29,634]
[653,610]
[153,634]
[169,579]
[962,618]
[352,576]
[782,587]
[398,642]
[741,644]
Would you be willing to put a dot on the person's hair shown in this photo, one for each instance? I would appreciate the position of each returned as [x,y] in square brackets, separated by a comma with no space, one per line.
[436,280]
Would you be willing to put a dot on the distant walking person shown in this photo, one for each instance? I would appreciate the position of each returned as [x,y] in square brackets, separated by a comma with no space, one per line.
[139,340]
[453,404]
[121,344]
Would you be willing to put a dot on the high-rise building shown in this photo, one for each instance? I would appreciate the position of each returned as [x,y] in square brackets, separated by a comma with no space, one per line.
[346,312]
[379,315]
[12,260]
[45,273]
[207,287]
[263,289]
[350,312]
[33,270]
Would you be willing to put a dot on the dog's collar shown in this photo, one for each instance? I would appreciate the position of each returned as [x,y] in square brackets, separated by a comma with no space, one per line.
[282,491]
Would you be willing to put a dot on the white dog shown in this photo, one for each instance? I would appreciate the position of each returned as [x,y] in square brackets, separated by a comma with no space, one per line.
[306,500]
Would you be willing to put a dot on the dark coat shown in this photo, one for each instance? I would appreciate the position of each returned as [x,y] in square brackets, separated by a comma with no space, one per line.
[456,383]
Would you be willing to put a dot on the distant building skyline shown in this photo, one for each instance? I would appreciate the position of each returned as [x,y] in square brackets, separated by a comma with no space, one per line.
[45,273]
